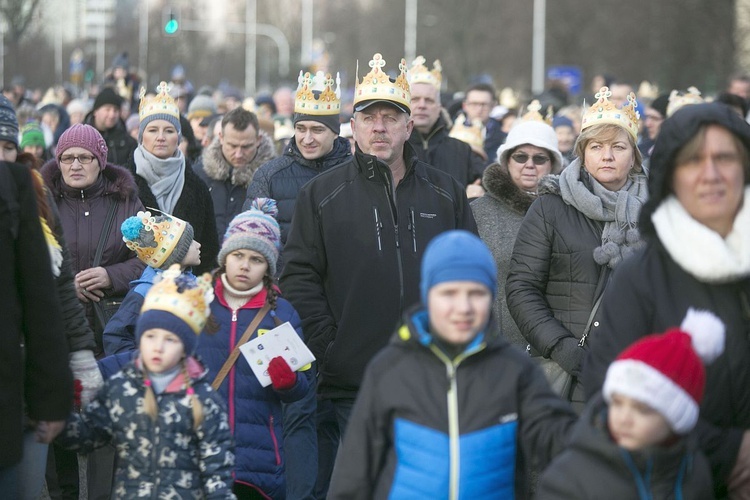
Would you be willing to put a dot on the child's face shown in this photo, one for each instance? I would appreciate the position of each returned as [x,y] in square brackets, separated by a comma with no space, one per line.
[161,350]
[245,269]
[458,310]
[193,255]
[635,425]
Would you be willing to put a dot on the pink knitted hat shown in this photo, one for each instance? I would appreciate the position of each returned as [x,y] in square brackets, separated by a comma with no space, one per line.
[86,137]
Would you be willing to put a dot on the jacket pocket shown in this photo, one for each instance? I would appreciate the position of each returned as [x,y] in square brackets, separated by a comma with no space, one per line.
[274,439]
[378,228]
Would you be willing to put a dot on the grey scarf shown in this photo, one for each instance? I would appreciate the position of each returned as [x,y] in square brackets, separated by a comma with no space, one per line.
[618,210]
[166,178]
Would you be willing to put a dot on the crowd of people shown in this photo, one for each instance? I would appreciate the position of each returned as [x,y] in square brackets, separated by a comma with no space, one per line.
[502,301]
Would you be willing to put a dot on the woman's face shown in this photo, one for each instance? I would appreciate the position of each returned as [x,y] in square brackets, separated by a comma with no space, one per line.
[710,184]
[8,151]
[610,162]
[160,138]
[79,168]
[527,164]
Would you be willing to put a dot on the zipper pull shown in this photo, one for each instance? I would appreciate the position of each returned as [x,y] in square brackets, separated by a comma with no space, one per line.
[234,315]
[413,227]
[398,245]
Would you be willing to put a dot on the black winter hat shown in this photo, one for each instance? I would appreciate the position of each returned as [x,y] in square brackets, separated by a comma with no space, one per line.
[107,96]
[660,104]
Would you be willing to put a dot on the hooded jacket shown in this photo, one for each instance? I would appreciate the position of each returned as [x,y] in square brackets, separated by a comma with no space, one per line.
[353,256]
[228,184]
[651,292]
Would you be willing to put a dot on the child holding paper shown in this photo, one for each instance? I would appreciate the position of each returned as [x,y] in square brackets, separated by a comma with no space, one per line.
[247,305]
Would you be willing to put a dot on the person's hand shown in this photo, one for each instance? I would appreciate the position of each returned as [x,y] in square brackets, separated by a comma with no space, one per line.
[475,189]
[46,432]
[90,284]
[739,479]
[282,377]
[86,372]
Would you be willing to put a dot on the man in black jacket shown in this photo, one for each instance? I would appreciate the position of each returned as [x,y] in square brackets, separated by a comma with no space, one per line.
[357,237]
[105,117]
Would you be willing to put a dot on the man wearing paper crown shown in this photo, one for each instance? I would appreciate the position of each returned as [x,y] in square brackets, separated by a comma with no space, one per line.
[160,240]
[430,138]
[316,148]
[358,234]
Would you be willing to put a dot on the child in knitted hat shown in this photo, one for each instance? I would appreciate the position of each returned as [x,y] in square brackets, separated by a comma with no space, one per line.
[443,409]
[32,141]
[160,411]
[247,305]
[633,440]
[159,240]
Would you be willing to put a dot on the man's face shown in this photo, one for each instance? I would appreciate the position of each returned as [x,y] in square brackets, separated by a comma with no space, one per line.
[239,147]
[106,116]
[381,130]
[652,121]
[620,92]
[199,131]
[314,140]
[425,106]
[740,88]
[478,105]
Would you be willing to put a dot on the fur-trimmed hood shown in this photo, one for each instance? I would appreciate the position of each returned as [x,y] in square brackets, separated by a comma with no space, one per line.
[549,184]
[117,180]
[216,167]
[499,184]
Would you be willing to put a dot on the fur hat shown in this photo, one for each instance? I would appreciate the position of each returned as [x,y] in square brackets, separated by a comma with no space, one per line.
[179,303]
[8,121]
[160,240]
[255,229]
[107,95]
[537,134]
[457,255]
[86,137]
[32,135]
[666,372]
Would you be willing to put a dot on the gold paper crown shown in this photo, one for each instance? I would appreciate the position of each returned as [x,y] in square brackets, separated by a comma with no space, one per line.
[533,114]
[377,85]
[605,111]
[161,103]
[678,100]
[420,74]
[328,101]
[152,238]
[187,297]
[472,134]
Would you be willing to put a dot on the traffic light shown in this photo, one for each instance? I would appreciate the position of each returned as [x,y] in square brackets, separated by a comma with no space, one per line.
[171,21]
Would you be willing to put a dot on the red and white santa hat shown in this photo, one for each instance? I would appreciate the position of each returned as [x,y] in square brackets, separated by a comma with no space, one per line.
[666,371]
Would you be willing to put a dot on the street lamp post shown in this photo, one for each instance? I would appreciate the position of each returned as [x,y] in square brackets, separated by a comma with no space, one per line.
[537,51]
[410,35]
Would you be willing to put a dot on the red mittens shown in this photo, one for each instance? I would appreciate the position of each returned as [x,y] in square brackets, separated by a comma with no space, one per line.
[282,377]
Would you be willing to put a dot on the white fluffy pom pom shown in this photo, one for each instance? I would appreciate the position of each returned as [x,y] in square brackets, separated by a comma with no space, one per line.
[707,332]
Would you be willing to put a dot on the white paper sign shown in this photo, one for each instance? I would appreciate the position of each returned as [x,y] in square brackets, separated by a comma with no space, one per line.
[281,341]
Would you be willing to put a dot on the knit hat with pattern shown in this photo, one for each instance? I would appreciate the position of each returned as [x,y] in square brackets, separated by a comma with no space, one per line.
[255,229]
[8,121]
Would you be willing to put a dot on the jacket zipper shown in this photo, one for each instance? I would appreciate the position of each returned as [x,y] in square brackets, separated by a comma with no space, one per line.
[390,195]
[378,227]
[275,441]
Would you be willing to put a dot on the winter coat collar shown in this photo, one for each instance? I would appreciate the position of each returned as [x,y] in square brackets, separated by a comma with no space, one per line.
[341,149]
[195,370]
[367,163]
[440,128]
[218,168]
[499,185]
[254,303]
[114,180]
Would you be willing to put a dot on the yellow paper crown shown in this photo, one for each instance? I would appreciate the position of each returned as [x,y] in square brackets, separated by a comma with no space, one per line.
[533,114]
[187,297]
[420,74]
[377,85]
[327,102]
[472,134]
[152,238]
[678,100]
[605,111]
[161,103]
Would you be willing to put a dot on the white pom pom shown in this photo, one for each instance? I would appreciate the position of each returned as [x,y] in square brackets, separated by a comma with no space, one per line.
[707,332]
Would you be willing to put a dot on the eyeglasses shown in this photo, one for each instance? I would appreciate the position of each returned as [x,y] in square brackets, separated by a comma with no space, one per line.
[523,158]
[82,159]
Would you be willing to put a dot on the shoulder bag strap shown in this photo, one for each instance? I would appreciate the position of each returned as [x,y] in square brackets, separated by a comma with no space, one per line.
[236,351]
[106,229]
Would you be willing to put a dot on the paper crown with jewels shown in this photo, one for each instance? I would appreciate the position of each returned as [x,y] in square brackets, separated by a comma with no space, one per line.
[377,86]
[160,104]
[418,73]
[533,113]
[154,237]
[604,111]
[679,99]
[326,102]
[472,133]
[183,295]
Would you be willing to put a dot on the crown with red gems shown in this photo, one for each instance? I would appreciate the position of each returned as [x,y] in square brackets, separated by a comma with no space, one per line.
[326,102]
[679,99]
[533,113]
[376,85]
[604,111]
[161,103]
[183,295]
[418,73]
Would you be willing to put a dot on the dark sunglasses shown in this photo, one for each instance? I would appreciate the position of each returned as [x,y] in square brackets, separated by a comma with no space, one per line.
[523,158]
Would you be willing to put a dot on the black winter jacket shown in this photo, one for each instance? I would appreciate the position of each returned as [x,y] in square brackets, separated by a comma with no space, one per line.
[353,256]
[120,145]
[593,467]
[445,153]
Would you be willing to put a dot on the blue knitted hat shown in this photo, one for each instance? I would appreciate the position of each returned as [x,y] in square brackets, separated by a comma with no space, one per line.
[255,229]
[457,256]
